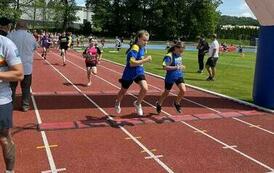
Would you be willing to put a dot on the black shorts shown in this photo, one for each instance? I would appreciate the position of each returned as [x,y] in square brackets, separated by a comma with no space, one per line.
[168,86]
[126,83]
[6,116]
[64,47]
[90,64]
[211,61]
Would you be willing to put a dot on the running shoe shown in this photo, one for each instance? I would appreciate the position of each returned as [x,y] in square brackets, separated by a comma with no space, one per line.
[177,107]
[158,108]
[117,107]
[138,108]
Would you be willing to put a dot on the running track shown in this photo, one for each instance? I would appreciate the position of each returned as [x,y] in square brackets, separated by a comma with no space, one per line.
[73,128]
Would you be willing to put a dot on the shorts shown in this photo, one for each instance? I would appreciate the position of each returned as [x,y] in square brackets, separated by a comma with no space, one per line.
[64,47]
[91,64]
[168,86]
[126,83]
[211,61]
[6,116]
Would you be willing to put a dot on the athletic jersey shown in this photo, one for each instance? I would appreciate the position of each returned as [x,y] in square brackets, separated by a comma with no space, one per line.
[64,40]
[45,41]
[93,54]
[137,53]
[9,56]
[172,59]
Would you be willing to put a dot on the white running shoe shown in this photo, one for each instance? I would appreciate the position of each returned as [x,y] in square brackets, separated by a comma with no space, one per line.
[117,107]
[138,108]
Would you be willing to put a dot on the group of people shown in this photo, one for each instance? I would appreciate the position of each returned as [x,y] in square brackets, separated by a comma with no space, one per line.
[16,56]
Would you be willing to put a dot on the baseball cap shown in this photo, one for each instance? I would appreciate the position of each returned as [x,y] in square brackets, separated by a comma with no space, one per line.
[5,21]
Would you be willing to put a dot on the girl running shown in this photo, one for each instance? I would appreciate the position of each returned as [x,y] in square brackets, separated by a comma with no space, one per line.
[93,55]
[45,43]
[172,63]
[64,44]
[134,71]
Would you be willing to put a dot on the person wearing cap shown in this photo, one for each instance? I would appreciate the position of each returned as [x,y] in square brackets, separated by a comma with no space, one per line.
[213,56]
[11,69]
[172,63]
[26,45]
[92,55]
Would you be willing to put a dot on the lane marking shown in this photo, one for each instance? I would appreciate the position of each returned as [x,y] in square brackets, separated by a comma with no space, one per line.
[50,146]
[109,117]
[196,129]
[44,137]
[200,131]
[137,137]
[158,156]
[150,150]
[229,147]
[57,170]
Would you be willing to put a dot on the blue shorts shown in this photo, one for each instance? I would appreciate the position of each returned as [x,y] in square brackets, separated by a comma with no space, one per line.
[6,116]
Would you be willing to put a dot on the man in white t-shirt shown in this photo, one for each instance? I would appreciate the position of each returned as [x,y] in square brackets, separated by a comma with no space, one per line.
[213,55]
[11,69]
[26,45]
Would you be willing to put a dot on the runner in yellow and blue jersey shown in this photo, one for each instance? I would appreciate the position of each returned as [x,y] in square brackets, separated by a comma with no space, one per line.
[134,71]
[172,63]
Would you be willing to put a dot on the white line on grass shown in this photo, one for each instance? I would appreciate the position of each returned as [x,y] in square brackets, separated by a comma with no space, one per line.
[109,117]
[196,129]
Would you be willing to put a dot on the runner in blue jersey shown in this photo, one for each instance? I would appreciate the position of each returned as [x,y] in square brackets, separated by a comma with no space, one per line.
[134,71]
[172,63]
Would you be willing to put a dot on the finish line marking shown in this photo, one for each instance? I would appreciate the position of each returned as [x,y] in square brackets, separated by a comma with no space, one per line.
[57,170]
[152,157]
[229,147]
[50,146]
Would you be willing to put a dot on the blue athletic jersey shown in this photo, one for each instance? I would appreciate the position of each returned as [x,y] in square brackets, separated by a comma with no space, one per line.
[172,59]
[130,73]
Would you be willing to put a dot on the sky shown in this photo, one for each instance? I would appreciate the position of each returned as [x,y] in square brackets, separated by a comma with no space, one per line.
[229,7]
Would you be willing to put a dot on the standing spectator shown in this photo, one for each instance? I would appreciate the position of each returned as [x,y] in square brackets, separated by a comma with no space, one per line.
[118,43]
[64,44]
[134,71]
[213,56]
[202,50]
[172,63]
[11,69]
[26,45]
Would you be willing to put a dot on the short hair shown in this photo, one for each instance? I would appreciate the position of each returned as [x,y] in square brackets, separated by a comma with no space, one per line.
[4,21]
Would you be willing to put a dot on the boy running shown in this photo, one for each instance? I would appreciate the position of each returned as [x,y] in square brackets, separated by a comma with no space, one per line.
[45,42]
[64,44]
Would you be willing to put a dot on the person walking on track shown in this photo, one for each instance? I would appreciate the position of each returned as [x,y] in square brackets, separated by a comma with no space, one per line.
[172,63]
[134,71]
[11,69]
[26,44]
[92,55]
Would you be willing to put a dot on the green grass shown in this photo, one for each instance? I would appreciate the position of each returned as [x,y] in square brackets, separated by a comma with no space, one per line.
[234,73]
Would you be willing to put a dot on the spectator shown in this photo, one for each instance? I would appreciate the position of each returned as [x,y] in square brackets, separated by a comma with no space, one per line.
[202,50]
[11,69]
[26,45]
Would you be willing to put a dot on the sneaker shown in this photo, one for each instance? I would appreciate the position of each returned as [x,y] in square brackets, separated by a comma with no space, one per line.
[88,84]
[158,107]
[138,108]
[117,107]
[25,109]
[209,78]
[177,107]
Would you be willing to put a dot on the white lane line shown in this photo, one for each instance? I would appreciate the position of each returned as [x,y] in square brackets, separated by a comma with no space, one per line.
[214,110]
[44,137]
[58,170]
[158,156]
[196,129]
[109,117]
[252,125]
[228,147]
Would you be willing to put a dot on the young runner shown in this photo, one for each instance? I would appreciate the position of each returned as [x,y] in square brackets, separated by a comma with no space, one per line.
[134,71]
[45,43]
[172,63]
[92,55]
[64,44]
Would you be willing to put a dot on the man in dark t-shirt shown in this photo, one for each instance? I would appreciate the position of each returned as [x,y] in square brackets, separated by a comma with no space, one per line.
[202,50]
[64,43]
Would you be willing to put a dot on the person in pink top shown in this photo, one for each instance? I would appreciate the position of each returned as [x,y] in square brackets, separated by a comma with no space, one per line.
[92,55]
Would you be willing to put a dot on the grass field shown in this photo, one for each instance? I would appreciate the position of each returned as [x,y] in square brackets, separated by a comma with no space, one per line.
[234,73]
